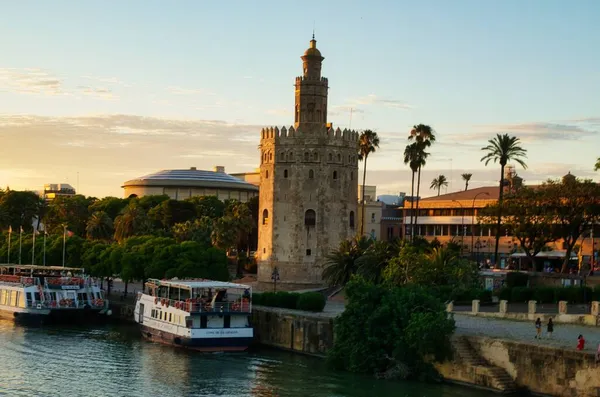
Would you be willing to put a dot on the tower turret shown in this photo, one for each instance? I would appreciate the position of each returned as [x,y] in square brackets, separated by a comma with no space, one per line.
[311,90]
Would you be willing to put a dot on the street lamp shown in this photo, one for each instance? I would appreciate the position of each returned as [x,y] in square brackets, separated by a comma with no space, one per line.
[462,223]
[473,217]
[275,278]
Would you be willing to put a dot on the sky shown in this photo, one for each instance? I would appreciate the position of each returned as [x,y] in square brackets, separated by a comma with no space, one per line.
[99,92]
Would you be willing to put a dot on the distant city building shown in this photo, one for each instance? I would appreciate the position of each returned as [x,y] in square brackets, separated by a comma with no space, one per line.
[373,211]
[308,186]
[391,199]
[370,193]
[183,184]
[54,190]
[250,177]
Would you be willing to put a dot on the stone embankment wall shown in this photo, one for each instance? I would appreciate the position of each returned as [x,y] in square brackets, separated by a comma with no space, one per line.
[295,330]
[507,366]
[122,312]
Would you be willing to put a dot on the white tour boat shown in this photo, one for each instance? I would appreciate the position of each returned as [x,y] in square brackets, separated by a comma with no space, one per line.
[40,294]
[203,315]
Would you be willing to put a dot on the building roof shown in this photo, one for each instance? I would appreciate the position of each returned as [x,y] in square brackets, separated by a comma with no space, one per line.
[192,178]
[482,193]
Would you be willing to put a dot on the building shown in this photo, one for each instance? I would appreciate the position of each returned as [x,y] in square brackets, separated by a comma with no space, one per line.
[391,222]
[308,185]
[373,211]
[250,177]
[183,184]
[54,190]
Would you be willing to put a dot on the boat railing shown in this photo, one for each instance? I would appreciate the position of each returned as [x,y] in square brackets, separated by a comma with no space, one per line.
[65,304]
[59,282]
[15,279]
[199,305]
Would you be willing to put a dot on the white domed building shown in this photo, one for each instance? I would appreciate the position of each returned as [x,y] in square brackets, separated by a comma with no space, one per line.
[183,184]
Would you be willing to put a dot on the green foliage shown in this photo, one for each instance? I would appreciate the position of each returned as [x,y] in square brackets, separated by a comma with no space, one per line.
[517,279]
[169,212]
[542,294]
[311,301]
[387,330]
[99,226]
[342,263]
[112,206]
[17,209]
[521,294]
[209,206]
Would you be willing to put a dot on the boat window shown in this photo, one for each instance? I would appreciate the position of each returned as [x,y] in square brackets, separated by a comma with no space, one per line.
[13,298]
[170,317]
[37,296]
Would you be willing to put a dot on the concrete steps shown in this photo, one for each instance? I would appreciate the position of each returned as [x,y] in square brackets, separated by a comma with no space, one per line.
[500,379]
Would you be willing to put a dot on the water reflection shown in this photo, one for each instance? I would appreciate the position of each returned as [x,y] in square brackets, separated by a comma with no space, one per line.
[114,361]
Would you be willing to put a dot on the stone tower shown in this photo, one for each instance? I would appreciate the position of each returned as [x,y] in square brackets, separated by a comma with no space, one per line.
[308,185]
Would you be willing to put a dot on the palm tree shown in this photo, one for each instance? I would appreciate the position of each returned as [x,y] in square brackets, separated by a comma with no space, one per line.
[99,226]
[342,263]
[438,183]
[133,221]
[424,137]
[411,155]
[368,143]
[466,177]
[502,149]
[597,166]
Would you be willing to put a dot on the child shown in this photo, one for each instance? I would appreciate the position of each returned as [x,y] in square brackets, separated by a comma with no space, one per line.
[550,328]
[580,342]
[538,328]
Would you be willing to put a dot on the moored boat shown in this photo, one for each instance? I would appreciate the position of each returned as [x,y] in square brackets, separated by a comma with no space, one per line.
[41,294]
[203,315]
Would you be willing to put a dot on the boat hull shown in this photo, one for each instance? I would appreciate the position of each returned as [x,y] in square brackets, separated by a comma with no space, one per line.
[25,317]
[208,345]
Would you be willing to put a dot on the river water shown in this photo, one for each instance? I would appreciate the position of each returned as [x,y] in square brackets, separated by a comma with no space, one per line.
[114,361]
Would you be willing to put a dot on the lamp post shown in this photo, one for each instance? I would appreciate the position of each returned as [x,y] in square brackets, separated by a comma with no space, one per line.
[473,217]
[478,246]
[462,224]
[275,278]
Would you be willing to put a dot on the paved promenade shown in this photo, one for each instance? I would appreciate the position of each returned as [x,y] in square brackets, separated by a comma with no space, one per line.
[565,335]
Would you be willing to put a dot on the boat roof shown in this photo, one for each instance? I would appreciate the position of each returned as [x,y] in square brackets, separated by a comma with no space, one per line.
[36,267]
[202,283]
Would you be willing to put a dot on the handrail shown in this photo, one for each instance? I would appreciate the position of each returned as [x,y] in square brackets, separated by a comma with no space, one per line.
[202,306]
[26,281]
[66,303]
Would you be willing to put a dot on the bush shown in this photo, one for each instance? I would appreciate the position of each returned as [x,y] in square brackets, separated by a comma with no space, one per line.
[596,293]
[287,300]
[521,294]
[257,298]
[484,295]
[504,294]
[544,295]
[517,279]
[311,301]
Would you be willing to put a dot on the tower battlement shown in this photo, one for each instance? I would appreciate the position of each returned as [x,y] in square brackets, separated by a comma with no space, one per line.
[335,136]
[300,79]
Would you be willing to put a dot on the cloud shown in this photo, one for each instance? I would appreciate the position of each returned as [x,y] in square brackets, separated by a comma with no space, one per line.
[281,112]
[30,81]
[344,109]
[373,99]
[102,93]
[188,91]
[107,80]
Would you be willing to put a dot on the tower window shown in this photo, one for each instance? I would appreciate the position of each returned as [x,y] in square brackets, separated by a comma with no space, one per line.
[306,156]
[311,174]
[265,217]
[339,158]
[308,252]
[285,173]
[310,218]
[351,175]
[372,217]
[352,219]
[334,174]
[267,174]
[330,157]
[291,156]
[316,156]
[270,156]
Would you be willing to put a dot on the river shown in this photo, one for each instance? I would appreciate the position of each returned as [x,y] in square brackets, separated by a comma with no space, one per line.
[113,361]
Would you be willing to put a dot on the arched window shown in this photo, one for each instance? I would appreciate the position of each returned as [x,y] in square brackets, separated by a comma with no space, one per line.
[285,173]
[310,218]
[352,219]
[265,217]
[291,157]
[316,156]
[285,156]
[270,156]
[330,157]
[267,174]
[334,174]
[305,156]
[339,158]
[351,175]
[349,159]
[311,174]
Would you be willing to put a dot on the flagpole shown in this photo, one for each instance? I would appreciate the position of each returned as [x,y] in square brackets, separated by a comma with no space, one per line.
[33,249]
[44,262]
[20,243]
[9,238]
[64,243]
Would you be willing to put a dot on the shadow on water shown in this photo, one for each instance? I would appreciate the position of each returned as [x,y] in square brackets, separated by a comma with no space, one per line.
[114,361]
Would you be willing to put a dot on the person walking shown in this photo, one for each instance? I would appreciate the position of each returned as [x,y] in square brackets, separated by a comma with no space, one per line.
[580,342]
[550,328]
[538,328]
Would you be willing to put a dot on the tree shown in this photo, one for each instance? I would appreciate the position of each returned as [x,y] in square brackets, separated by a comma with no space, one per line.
[527,215]
[466,177]
[209,206]
[132,222]
[368,143]
[112,206]
[99,226]
[411,157]
[170,212]
[198,230]
[390,332]
[502,149]
[19,209]
[438,183]
[68,210]
[342,263]
[371,264]
[424,137]
[574,206]
[597,166]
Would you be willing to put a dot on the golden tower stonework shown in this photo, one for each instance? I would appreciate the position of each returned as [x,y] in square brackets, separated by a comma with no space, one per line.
[308,185]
